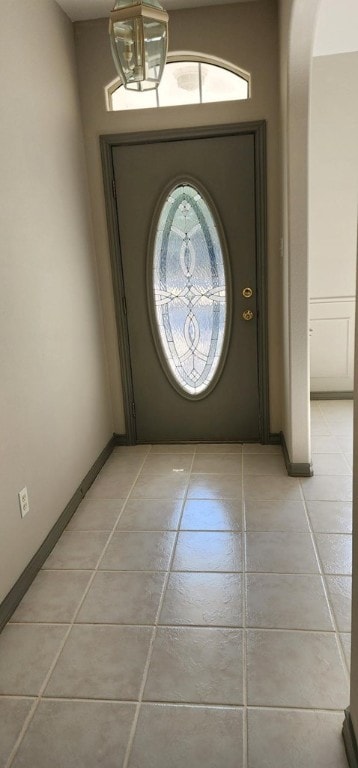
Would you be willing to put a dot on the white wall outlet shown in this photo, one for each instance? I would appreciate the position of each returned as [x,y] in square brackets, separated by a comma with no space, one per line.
[24,502]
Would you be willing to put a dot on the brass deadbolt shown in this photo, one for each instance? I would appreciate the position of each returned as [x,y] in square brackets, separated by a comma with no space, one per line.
[247,315]
[247,293]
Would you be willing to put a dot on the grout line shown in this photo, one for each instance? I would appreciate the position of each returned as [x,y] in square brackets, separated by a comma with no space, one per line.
[151,645]
[188,704]
[327,594]
[66,635]
[209,627]
[180,570]
[290,531]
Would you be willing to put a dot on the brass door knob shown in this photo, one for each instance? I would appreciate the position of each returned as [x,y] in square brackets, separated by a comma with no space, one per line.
[247,315]
[247,293]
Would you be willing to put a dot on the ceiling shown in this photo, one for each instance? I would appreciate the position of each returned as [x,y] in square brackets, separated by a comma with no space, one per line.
[80,10]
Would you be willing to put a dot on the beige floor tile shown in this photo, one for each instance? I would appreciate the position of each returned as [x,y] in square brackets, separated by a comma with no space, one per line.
[276,516]
[346,643]
[219,448]
[229,463]
[101,662]
[129,450]
[203,599]
[196,665]
[324,488]
[150,515]
[78,550]
[215,486]
[197,551]
[130,459]
[280,552]
[76,734]
[200,737]
[324,444]
[278,739]
[212,515]
[320,428]
[53,597]
[122,463]
[349,459]
[171,448]
[330,464]
[281,601]
[110,487]
[259,448]
[317,417]
[340,593]
[341,428]
[345,444]
[337,407]
[138,551]
[335,551]
[162,464]
[172,486]
[330,516]
[295,669]
[122,598]
[264,464]
[13,713]
[118,471]
[22,667]
[96,515]
[282,488]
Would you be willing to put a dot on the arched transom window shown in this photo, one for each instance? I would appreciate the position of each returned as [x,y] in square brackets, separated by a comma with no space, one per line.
[187,79]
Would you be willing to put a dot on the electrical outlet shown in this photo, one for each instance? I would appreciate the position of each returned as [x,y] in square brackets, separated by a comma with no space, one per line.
[24,502]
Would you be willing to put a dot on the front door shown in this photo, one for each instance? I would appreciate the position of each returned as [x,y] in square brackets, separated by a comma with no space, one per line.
[187,219]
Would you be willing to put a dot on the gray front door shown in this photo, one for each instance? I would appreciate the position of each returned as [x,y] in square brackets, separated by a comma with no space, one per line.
[190,201]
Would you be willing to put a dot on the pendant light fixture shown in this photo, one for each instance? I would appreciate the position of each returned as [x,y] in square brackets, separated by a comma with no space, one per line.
[139,42]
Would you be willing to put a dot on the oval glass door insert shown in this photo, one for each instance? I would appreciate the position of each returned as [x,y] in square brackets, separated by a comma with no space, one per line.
[189,291]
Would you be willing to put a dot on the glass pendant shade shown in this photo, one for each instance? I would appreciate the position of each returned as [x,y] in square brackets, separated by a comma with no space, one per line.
[139,41]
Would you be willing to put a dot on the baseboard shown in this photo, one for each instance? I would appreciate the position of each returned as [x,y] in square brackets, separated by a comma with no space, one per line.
[332,395]
[275,438]
[295,469]
[21,586]
[120,439]
[350,741]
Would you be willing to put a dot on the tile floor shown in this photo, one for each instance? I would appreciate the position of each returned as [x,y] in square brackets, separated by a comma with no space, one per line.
[194,614]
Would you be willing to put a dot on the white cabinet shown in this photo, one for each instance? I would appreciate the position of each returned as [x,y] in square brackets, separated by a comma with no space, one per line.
[332,344]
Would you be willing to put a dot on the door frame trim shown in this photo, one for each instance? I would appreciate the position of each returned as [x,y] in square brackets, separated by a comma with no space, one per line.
[108,143]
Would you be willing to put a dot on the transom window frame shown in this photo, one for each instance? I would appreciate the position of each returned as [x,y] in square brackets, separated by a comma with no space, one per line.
[185,56]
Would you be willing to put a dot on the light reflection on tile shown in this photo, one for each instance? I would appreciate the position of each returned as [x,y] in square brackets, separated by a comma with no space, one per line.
[208,552]
[212,515]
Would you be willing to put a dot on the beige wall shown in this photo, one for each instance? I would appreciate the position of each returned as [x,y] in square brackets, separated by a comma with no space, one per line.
[54,414]
[333,201]
[245,34]
[333,175]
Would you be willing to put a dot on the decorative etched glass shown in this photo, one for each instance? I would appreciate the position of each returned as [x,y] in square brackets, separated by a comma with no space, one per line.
[189,290]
